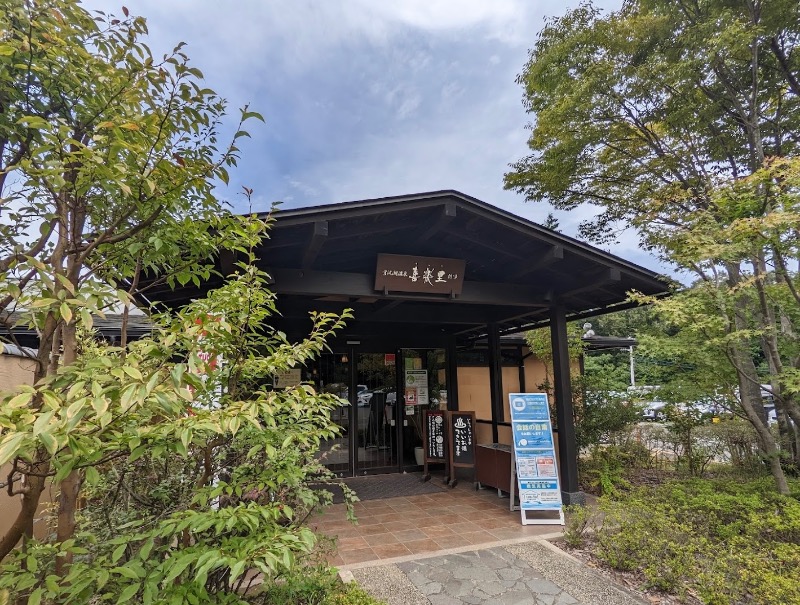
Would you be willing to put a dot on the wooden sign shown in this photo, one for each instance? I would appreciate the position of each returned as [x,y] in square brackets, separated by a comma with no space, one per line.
[435,436]
[399,273]
[462,438]
[434,441]
[461,442]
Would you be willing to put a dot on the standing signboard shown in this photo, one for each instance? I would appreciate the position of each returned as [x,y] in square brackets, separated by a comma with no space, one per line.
[461,441]
[535,455]
[434,442]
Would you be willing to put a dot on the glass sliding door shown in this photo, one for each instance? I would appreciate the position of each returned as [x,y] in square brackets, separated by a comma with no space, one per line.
[331,374]
[382,423]
[376,399]
[424,388]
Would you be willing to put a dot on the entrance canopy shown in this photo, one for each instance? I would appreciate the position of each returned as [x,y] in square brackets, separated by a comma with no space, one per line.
[324,258]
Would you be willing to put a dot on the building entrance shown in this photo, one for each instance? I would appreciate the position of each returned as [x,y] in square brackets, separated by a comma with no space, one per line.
[387,394]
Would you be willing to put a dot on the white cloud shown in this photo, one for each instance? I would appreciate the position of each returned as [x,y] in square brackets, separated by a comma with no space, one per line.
[368,98]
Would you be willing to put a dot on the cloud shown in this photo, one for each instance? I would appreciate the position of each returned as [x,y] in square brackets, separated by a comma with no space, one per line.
[369,99]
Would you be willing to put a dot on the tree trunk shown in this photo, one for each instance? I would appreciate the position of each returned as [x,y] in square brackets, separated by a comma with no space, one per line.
[750,385]
[23,524]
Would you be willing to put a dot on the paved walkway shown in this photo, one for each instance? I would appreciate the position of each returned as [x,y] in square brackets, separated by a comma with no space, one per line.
[413,525]
[459,547]
[523,573]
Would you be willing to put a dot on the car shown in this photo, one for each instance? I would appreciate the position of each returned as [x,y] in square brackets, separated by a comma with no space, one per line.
[654,411]
[365,397]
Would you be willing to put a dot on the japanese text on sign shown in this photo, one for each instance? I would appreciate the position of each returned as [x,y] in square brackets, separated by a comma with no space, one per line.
[534,451]
[419,274]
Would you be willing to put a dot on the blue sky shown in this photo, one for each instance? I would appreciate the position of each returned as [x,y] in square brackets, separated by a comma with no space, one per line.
[370,98]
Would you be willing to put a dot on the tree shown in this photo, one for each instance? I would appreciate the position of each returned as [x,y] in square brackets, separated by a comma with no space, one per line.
[679,119]
[109,160]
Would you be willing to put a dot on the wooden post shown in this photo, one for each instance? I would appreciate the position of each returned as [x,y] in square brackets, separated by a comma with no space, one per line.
[568,450]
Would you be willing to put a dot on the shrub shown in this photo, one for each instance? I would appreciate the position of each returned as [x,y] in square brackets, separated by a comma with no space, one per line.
[579,520]
[726,541]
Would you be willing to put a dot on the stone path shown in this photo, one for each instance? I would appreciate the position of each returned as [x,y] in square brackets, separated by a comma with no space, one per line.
[527,573]
[483,576]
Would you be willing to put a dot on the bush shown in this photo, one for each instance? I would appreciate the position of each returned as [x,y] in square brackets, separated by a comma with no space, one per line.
[726,541]
[314,586]
[578,522]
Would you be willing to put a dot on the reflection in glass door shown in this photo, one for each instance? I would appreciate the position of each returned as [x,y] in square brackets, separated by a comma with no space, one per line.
[375,412]
[424,388]
[331,374]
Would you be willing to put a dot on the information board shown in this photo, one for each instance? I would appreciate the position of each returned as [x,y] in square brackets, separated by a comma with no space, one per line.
[461,442]
[435,436]
[462,438]
[434,442]
[535,455]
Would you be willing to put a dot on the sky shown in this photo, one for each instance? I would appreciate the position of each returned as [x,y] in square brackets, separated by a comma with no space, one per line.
[370,98]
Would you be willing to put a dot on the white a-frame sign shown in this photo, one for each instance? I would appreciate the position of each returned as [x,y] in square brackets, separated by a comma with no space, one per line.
[535,459]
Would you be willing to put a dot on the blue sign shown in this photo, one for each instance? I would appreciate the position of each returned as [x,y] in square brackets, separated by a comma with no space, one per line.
[532,435]
[529,406]
[534,451]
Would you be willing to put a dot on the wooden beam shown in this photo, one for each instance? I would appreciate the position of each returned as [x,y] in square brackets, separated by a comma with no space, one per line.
[319,234]
[355,285]
[448,214]
[554,255]
[607,275]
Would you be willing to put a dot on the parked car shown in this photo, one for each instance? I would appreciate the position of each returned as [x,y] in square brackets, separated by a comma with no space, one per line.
[654,411]
[365,397]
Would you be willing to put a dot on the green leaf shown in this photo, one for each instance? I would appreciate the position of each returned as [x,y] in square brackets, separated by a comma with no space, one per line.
[9,446]
[65,312]
[118,552]
[125,572]
[49,442]
[36,597]
[133,372]
[128,593]
[21,400]
[92,475]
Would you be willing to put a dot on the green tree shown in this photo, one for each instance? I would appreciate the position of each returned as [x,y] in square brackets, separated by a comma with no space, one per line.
[108,161]
[678,119]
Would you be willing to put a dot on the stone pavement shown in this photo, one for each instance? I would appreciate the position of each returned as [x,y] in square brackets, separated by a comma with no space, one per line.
[522,573]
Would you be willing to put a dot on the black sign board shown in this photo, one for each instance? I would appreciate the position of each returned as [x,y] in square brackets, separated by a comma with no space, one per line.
[461,429]
[435,436]
[398,273]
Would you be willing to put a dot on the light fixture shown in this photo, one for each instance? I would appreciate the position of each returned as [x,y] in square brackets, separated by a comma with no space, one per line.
[344,358]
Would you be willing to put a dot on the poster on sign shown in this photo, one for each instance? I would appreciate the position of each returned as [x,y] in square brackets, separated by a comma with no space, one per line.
[535,456]
[417,387]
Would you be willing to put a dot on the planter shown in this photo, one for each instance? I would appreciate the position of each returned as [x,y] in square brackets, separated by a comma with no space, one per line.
[419,457]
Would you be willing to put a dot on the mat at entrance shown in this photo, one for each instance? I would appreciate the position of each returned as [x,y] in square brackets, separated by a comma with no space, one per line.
[377,487]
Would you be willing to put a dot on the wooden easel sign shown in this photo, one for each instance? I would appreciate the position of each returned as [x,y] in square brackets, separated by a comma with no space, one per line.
[461,437]
[434,442]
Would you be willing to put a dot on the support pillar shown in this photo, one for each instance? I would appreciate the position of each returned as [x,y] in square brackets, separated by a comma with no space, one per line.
[452,374]
[567,446]
[495,379]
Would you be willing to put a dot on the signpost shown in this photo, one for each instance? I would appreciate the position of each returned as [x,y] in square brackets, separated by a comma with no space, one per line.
[434,442]
[461,440]
[535,455]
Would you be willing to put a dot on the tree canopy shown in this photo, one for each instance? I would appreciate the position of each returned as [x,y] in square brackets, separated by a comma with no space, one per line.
[680,120]
[195,475]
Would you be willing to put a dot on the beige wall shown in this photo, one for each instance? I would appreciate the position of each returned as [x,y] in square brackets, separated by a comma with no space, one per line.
[15,371]
[474,393]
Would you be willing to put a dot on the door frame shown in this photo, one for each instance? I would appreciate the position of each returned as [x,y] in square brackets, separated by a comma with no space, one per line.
[353,350]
